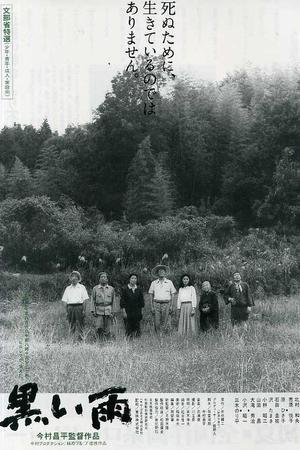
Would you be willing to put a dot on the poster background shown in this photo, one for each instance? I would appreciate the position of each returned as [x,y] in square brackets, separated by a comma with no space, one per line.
[65,54]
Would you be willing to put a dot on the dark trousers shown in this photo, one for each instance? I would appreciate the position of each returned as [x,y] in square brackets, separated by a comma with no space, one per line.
[210,320]
[239,314]
[132,326]
[76,318]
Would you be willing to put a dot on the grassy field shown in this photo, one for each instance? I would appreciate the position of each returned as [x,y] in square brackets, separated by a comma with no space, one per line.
[263,357]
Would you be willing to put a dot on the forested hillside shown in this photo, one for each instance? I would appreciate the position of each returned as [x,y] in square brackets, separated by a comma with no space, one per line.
[224,153]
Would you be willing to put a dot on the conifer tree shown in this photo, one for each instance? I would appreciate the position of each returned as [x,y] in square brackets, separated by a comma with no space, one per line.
[45,131]
[149,187]
[19,182]
[49,175]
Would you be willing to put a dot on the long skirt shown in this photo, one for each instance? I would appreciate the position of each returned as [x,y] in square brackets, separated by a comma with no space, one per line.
[186,324]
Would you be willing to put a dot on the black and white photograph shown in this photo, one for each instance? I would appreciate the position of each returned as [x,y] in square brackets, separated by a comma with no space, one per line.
[150,201]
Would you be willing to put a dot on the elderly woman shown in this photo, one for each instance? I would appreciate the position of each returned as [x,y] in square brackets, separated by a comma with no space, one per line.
[186,305]
[209,308]
[132,303]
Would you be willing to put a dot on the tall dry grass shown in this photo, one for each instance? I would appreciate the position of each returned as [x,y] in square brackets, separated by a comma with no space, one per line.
[263,357]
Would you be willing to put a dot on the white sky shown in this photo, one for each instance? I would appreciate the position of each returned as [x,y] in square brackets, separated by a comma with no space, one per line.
[67,51]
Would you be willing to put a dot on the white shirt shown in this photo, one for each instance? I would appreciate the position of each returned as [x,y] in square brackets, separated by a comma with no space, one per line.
[187,294]
[162,290]
[75,294]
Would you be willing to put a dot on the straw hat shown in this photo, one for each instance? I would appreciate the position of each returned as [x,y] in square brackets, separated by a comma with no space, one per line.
[159,267]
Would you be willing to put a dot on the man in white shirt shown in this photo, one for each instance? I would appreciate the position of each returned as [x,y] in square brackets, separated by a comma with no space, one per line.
[75,297]
[161,293]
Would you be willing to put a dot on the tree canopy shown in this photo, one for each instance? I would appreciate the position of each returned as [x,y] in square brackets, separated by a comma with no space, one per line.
[220,147]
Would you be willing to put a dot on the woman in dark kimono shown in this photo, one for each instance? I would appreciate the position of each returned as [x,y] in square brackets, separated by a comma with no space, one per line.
[132,303]
[209,308]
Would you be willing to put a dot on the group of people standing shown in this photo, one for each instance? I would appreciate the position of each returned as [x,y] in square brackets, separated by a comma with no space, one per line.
[162,302]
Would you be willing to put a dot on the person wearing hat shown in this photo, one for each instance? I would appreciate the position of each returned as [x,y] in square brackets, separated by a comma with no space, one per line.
[75,297]
[239,296]
[161,293]
[103,304]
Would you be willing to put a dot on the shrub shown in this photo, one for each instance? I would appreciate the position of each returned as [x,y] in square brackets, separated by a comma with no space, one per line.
[208,247]
[38,228]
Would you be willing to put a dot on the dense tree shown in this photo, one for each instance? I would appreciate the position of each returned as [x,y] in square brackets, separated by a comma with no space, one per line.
[44,131]
[80,160]
[244,83]
[281,206]
[8,146]
[222,143]
[272,122]
[29,144]
[119,126]
[19,181]
[231,137]
[164,188]
[50,173]
[25,143]
[149,193]
[242,185]
[191,124]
